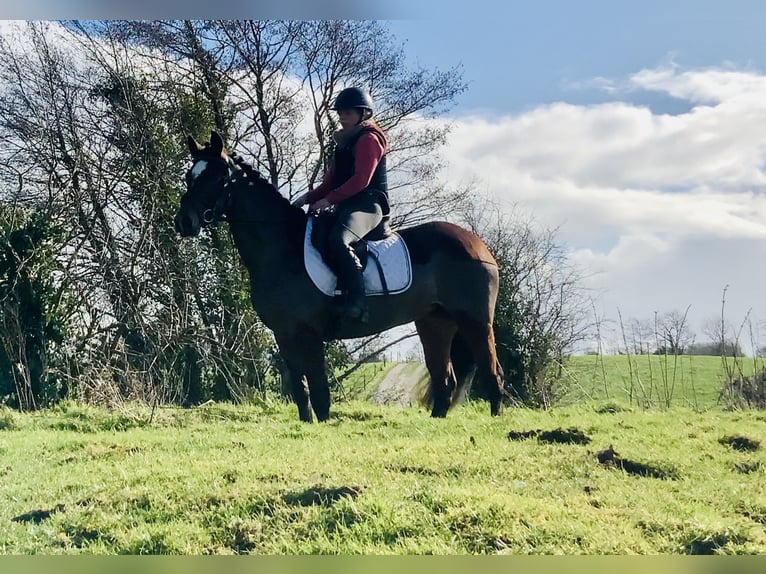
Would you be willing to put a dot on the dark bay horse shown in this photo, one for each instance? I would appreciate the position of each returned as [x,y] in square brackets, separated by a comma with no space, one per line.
[451,299]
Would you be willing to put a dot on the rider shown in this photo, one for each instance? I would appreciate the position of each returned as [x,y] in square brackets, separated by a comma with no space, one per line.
[356,186]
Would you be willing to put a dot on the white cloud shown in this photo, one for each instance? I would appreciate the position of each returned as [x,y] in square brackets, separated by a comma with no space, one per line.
[663,207]
[710,86]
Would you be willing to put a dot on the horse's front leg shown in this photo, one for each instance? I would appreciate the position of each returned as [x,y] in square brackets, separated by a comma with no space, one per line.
[296,382]
[305,355]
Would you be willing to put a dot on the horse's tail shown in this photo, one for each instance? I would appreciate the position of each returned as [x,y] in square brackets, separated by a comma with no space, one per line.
[464,370]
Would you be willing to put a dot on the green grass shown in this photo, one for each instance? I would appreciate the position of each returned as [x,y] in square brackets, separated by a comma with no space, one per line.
[361,384]
[649,380]
[221,479]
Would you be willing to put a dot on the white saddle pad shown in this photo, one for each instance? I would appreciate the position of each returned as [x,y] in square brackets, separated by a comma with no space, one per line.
[392,253]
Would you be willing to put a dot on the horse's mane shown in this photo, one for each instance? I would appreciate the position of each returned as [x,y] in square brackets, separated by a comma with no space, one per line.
[296,217]
[255,175]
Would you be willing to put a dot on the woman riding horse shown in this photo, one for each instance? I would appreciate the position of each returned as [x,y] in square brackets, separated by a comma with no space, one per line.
[355,186]
[451,298]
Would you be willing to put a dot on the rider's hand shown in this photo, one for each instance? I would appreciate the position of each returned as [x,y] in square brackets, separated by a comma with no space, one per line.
[320,205]
[301,200]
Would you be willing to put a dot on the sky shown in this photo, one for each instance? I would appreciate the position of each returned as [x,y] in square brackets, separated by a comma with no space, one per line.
[638,130]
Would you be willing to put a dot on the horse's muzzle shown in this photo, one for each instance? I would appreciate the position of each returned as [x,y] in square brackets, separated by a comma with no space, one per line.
[187,225]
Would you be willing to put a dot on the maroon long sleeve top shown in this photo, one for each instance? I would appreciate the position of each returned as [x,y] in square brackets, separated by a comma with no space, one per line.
[367,153]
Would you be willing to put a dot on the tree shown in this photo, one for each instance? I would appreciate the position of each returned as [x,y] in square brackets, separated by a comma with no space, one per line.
[234,345]
[672,332]
[721,340]
[30,307]
[541,308]
[55,125]
[97,136]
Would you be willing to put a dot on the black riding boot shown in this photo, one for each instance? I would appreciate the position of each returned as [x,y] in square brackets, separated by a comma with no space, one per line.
[349,270]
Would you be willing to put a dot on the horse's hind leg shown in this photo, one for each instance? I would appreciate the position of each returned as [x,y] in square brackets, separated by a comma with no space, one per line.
[436,335]
[480,337]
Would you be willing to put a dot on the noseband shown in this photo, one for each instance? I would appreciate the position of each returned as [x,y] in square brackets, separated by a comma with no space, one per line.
[218,212]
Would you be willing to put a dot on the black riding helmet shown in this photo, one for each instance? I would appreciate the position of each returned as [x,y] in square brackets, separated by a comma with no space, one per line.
[350,98]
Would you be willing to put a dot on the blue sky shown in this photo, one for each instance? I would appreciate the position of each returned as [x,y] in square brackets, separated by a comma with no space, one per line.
[516,55]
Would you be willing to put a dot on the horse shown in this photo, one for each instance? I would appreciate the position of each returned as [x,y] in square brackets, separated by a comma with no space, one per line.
[451,299]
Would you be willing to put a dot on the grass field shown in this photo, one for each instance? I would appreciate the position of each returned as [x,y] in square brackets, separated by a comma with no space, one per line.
[222,479]
[361,384]
[646,380]
[651,380]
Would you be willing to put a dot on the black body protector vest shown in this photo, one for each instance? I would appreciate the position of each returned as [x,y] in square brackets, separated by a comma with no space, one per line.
[343,169]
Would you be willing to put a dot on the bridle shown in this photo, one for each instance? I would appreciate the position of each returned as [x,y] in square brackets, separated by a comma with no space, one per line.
[220,208]
[235,175]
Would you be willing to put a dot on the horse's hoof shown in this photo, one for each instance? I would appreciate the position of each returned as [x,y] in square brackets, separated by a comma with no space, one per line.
[305,415]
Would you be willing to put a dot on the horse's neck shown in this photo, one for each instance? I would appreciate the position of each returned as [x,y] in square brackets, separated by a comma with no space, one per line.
[269,241]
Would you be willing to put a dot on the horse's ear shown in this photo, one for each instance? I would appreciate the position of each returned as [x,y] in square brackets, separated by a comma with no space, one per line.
[194,147]
[216,143]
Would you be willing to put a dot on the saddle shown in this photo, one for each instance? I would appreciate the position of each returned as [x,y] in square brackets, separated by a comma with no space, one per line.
[390,272]
[321,229]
